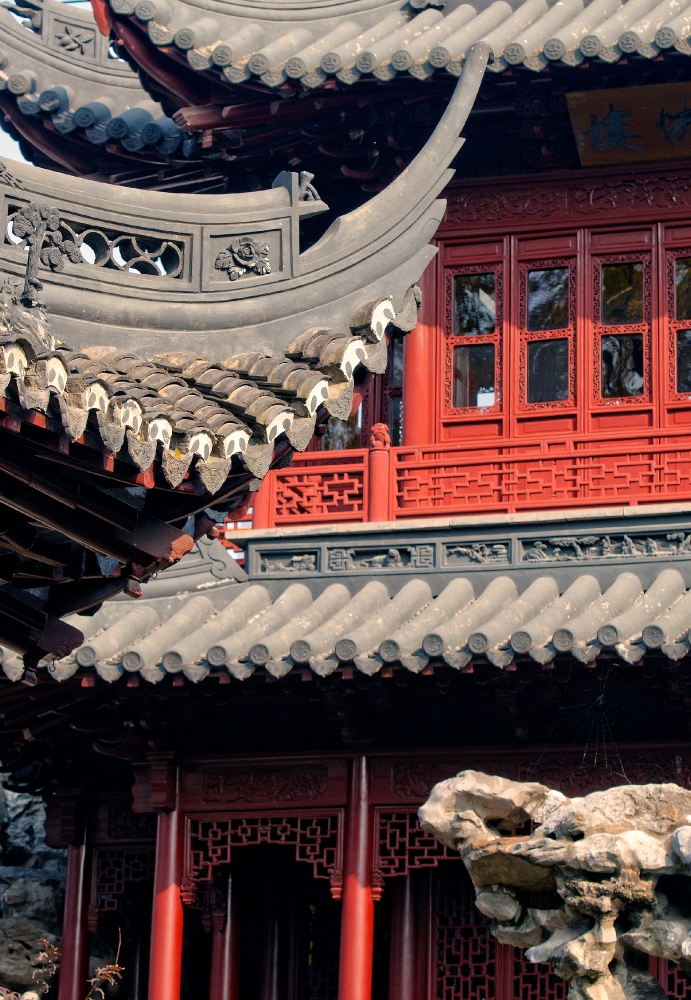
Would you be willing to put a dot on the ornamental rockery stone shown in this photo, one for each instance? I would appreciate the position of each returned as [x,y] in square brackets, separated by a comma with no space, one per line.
[599,884]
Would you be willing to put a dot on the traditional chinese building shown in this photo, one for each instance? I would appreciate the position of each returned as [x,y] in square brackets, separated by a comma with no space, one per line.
[462,427]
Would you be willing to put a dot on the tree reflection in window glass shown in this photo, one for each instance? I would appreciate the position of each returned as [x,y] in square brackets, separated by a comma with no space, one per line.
[622,365]
[396,420]
[548,299]
[622,293]
[342,434]
[475,303]
[473,375]
[683,287]
[683,360]
[397,362]
[548,370]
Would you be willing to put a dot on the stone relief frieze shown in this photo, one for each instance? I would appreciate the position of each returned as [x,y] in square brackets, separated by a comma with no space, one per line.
[265,785]
[476,552]
[404,557]
[575,548]
[295,562]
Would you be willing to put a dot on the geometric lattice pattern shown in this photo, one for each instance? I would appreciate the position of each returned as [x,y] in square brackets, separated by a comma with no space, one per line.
[402,844]
[469,963]
[464,952]
[440,478]
[117,868]
[317,840]
[321,487]
[535,982]
[451,479]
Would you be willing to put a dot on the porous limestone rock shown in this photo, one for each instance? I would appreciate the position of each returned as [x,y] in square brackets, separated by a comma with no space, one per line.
[611,859]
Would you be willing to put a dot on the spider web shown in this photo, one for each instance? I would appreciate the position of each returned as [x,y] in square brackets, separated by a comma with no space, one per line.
[605,692]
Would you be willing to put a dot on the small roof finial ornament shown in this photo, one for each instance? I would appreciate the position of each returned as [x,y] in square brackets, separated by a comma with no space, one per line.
[38,227]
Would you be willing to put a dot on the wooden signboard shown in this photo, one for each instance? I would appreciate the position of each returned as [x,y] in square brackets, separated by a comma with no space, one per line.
[632,124]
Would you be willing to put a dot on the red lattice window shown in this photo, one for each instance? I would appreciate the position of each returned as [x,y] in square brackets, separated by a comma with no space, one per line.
[113,870]
[547,335]
[622,367]
[679,324]
[317,839]
[535,982]
[468,963]
[474,339]
[464,952]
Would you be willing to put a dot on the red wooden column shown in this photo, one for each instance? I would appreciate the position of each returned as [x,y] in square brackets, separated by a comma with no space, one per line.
[74,963]
[379,474]
[225,952]
[261,503]
[166,918]
[357,919]
[404,947]
[418,366]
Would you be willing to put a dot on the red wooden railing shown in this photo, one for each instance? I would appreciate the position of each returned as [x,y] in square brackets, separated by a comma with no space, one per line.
[445,479]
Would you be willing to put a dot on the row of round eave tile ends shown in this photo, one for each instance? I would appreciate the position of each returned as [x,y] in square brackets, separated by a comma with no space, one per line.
[370,629]
[181,406]
[421,42]
[534,36]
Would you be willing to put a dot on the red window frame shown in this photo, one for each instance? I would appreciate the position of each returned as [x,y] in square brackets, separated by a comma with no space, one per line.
[453,340]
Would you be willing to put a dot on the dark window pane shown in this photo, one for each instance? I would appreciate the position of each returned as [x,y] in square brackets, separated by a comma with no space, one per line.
[475,303]
[548,299]
[622,365]
[683,283]
[622,293]
[396,420]
[548,370]
[397,362]
[343,433]
[684,361]
[473,375]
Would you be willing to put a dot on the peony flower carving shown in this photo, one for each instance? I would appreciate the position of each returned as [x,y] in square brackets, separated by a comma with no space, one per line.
[243,255]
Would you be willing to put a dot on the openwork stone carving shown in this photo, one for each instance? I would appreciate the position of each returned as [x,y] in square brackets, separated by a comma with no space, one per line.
[244,254]
[133,252]
[613,870]
[38,227]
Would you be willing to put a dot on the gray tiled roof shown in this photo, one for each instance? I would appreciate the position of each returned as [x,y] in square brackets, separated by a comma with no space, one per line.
[369,627]
[399,39]
[105,103]
[175,407]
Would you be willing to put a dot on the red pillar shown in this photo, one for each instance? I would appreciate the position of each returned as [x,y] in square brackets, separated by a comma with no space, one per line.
[357,919]
[166,918]
[403,951]
[74,963]
[225,953]
[418,366]
[261,503]
[379,474]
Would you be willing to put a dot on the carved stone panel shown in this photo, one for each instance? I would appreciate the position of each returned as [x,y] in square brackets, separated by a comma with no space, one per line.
[342,560]
[246,257]
[468,553]
[581,548]
[75,38]
[289,562]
